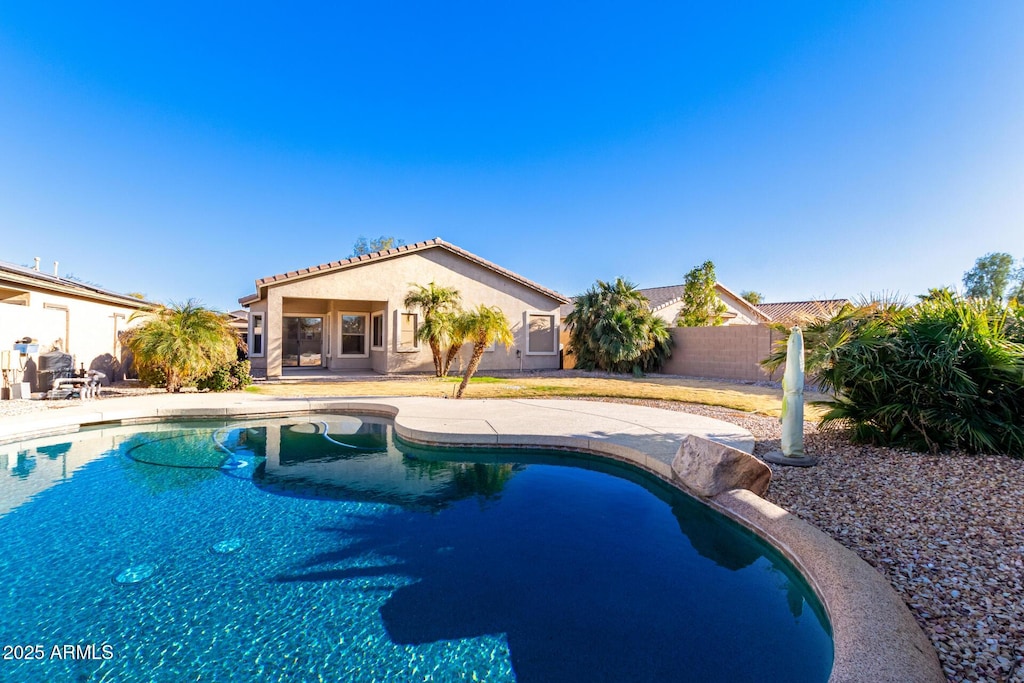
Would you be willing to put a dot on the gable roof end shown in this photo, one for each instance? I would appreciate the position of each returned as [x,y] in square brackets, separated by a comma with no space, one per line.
[384,254]
[662,297]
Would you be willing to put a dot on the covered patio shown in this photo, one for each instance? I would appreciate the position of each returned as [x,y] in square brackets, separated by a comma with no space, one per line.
[350,315]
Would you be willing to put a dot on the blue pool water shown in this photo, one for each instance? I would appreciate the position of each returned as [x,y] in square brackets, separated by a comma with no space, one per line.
[334,553]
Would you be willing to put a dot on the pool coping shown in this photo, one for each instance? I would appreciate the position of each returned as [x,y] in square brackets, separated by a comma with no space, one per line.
[875,636]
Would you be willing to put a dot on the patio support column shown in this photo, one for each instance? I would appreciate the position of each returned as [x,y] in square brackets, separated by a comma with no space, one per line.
[274,324]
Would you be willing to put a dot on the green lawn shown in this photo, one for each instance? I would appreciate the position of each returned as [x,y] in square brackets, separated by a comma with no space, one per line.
[745,397]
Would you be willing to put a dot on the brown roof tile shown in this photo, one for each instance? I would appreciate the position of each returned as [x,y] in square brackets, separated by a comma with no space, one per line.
[437,242]
[790,310]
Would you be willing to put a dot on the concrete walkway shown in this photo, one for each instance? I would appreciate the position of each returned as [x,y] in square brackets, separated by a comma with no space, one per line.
[645,436]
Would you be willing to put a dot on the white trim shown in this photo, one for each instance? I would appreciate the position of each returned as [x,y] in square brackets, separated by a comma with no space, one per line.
[263,335]
[383,331]
[554,332]
[326,326]
[341,334]
[65,341]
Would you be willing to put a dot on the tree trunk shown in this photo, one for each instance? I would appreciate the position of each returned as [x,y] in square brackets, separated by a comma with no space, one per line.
[453,351]
[170,380]
[474,362]
[435,351]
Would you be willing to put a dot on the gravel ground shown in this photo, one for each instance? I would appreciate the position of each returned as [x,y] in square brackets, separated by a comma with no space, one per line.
[13,408]
[947,531]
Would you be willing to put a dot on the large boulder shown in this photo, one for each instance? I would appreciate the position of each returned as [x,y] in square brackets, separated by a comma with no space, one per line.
[708,468]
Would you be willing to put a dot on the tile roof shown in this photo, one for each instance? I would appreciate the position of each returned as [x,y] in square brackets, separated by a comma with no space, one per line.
[659,297]
[33,277]
[787,310]
[437,242]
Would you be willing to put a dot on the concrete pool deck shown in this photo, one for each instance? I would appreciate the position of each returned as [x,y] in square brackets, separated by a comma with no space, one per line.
[875,636]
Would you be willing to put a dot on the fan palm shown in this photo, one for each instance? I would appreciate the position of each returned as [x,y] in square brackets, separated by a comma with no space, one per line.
[945,373]
[485,325]
[437,306]
[184,341]
[611,328]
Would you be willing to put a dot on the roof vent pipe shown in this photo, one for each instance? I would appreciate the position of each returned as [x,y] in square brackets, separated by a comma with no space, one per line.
[55,264]
[36,268]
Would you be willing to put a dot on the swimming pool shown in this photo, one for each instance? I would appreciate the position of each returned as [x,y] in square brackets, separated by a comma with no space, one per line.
[336,552]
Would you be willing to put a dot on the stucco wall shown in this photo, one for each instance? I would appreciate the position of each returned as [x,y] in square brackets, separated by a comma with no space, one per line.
[725,352]
[386,283]
[85,329]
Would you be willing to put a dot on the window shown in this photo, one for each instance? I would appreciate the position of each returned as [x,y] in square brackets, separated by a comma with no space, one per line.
[353,334]
[256,334]
[377,331]
[408,323]
[540,334]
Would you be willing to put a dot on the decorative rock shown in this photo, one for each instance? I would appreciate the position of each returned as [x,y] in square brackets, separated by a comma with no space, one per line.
[708,468]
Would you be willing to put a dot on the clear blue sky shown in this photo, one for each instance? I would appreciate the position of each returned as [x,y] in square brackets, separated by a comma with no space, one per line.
[808,149]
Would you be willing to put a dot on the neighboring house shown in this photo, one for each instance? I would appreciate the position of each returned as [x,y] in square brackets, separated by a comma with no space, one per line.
[63,315]
[349,314]
[240,323]
[794,312]
[666,302]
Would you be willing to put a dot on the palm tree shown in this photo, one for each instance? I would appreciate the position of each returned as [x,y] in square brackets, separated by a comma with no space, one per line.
[184,341]
[485,325]
[612,328]
[437,306]
[459,331]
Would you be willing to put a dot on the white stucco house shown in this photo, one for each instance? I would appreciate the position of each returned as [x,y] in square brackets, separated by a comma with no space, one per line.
[59,314]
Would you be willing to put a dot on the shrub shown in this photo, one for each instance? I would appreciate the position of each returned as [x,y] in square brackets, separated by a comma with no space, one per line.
[184,341]
[945,373]
[151,376]
[228,377]
[612,328]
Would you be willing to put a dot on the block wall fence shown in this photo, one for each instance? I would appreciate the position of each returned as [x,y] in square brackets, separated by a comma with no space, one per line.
[726,352]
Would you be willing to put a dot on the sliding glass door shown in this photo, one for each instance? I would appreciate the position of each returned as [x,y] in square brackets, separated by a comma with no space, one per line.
[303,345]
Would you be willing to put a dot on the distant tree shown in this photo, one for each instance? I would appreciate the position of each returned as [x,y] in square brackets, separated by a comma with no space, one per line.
[611,328]
[752,297]
[185,342]
[485,325]
[438,307]
[1017,288]
[364,246]
[990,277]
[137,295]
[701,305]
